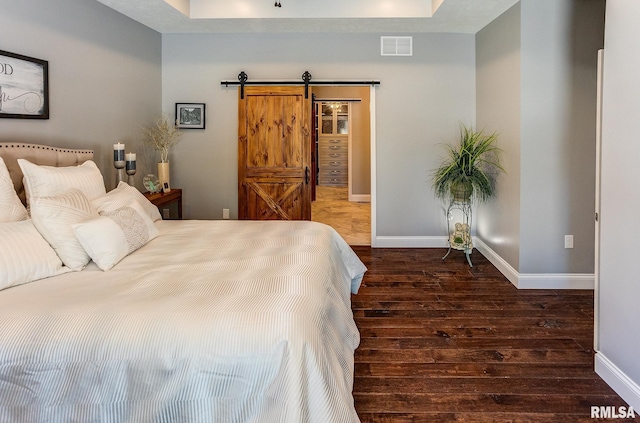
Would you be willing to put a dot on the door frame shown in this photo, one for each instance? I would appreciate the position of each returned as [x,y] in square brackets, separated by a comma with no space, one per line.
[372,169]
[596,264]
[372,140]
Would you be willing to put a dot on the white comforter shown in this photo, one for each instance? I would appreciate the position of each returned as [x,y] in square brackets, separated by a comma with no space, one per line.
[213,321]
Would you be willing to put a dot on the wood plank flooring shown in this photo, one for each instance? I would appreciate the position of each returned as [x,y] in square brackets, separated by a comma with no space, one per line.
[443,342]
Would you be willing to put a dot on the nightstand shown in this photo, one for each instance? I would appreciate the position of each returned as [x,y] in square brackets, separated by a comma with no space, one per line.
[169,204]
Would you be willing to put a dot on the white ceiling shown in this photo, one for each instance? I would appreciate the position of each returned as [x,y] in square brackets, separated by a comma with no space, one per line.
[242,9]
[178,16]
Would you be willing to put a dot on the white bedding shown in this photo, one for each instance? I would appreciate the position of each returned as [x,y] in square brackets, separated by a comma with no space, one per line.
[212,321]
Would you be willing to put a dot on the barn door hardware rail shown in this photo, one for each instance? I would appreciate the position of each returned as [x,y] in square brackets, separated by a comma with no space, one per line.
[243,80]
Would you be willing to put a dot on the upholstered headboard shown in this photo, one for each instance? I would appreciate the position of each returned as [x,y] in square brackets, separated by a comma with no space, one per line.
[40,155]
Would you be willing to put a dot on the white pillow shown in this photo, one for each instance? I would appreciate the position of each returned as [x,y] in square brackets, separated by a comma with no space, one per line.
[121,196]
[25,256]
[115,234]
[53,217]
[11,208]
[48,181]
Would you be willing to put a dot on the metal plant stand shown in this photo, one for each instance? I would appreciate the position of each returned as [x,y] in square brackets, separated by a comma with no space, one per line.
[460,232]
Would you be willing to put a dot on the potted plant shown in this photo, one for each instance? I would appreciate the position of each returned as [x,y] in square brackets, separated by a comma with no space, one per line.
[162,136]
[469,168]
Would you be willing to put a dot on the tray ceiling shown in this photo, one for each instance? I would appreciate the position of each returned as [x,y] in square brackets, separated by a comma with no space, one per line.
[335,16]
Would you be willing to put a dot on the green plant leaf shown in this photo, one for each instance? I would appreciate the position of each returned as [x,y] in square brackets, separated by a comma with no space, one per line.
[475,162]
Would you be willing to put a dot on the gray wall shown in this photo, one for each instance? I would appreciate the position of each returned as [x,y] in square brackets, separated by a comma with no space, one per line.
[420,101]
[551,190]
[560,43]
[618,321]
[498,110]
[104,75]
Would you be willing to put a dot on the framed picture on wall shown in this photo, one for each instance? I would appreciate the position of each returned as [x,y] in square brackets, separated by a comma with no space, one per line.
[190,115]
[24,87]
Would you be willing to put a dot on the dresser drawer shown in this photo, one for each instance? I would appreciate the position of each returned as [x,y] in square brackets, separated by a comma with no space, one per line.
[333,155]
[324,151]
[333,176]
[326,142]
[333,161]
[333,181]
[327,146]
[333,173]
[334,164]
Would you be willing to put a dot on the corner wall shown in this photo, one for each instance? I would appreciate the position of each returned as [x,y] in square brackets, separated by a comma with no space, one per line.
[560,43]
[498,110]
[104,76]
[537,71]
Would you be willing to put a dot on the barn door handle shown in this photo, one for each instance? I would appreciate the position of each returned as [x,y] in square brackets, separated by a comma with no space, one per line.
[306,175]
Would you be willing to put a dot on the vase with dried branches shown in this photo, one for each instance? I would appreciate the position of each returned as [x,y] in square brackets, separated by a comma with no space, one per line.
[162,135]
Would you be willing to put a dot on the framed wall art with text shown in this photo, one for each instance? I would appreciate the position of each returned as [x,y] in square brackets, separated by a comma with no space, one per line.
[24,87]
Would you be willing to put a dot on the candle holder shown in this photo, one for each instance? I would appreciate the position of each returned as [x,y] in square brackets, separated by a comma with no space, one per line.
[118,161]
[131,168]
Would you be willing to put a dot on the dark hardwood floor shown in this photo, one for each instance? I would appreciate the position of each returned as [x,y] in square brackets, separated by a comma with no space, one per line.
[443,342]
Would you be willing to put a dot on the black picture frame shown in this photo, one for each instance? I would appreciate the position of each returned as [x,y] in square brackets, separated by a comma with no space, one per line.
[190,115]
[24,87]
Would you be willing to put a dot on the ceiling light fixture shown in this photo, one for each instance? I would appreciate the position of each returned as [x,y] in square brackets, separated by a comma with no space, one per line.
[277,4]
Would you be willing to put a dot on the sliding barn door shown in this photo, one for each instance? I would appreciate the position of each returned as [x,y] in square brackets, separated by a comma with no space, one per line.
[274,154]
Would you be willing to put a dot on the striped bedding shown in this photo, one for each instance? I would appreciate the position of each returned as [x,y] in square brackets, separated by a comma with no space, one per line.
[212,321]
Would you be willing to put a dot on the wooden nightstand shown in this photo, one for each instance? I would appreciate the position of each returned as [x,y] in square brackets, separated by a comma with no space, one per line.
[169,201]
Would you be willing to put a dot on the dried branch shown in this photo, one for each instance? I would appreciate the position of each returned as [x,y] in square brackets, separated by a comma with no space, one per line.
[162,136]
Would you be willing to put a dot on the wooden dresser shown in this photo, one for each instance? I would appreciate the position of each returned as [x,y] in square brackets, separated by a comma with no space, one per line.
[333,161]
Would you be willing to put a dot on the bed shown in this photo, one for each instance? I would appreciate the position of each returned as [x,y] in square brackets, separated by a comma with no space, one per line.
[206,321]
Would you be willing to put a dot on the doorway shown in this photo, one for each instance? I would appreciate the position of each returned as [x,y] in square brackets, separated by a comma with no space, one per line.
[343,200]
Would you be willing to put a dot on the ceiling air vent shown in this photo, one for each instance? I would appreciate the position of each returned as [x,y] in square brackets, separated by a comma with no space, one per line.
[396,46]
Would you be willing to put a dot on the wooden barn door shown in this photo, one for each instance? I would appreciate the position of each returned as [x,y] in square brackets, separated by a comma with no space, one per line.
[274,154]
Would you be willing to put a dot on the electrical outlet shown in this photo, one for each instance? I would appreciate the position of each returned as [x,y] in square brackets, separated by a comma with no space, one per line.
[568,241]
[166,213]
[225,213]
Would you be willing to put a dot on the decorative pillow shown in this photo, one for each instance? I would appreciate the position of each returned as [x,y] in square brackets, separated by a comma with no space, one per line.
[25,256]
[53,217]
[121,196]
[11,208]
[115,234]
[49,181]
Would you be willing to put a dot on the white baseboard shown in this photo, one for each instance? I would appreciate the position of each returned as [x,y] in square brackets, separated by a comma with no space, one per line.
[624,386]
[519,280]
[501,264]
[536,280]
[360,198]
[556,281]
